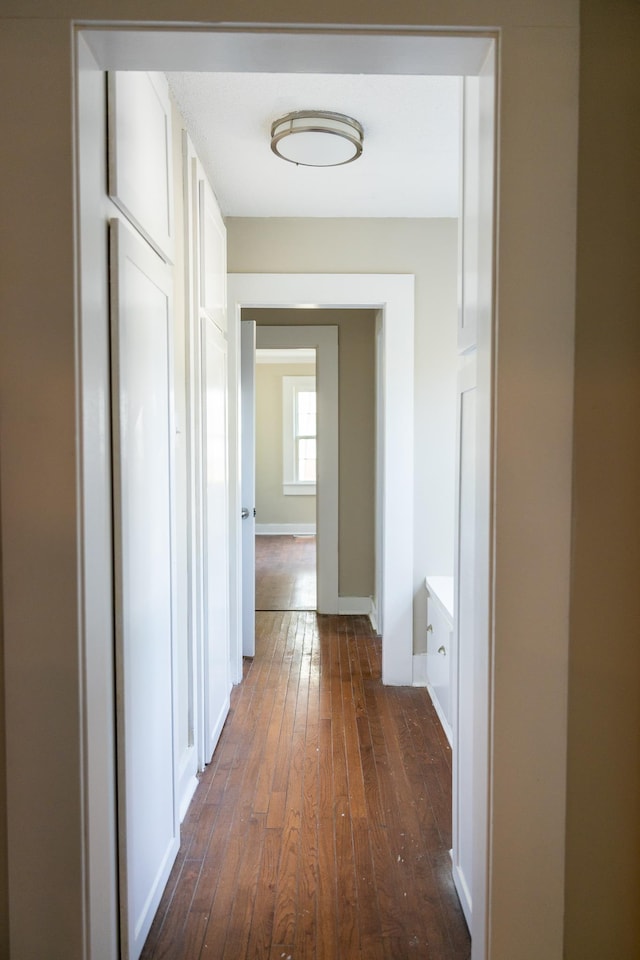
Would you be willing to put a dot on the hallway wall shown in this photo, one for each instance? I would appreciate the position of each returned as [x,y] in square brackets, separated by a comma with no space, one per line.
[44,644]
[603,804]
[427,249]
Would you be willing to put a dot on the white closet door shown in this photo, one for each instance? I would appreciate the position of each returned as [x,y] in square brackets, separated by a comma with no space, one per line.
[142,457]
[216,648]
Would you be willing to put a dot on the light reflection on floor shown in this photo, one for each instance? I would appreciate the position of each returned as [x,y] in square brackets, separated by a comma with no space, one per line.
[286,573]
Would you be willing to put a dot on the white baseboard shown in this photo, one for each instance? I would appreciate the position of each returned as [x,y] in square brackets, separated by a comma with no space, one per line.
[420,670]
[354,605]
[421,679]
[446,726]
[462,889]
[373,617]
[187,779]
[189,788]
[216,730]
[285,529]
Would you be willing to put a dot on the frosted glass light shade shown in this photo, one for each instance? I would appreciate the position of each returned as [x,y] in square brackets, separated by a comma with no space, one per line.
[317,138]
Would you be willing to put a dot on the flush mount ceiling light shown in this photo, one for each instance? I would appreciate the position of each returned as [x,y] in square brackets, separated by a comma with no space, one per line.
[317,138]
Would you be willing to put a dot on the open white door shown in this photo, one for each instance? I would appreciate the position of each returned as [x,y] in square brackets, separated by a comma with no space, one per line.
[142,487]
[248,482]
[215,674]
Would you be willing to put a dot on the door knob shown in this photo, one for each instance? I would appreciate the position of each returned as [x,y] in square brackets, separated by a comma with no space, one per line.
[245,513]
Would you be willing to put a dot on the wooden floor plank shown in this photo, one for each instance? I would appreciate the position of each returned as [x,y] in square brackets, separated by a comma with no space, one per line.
[321,828]
[285,572]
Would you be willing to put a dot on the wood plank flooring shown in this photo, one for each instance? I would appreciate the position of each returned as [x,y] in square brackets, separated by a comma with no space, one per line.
[321,828]
[285,573]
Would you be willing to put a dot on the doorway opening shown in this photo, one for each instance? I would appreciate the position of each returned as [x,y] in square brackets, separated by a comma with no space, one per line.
[394,580]
[283,507]
[285,479]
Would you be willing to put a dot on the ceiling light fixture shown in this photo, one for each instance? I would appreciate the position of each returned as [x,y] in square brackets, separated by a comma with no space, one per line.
[317,138]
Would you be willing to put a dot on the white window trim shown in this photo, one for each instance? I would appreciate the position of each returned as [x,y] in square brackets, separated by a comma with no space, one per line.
[291,486]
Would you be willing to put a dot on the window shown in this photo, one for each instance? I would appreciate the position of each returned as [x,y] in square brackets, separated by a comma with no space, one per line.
[299,435]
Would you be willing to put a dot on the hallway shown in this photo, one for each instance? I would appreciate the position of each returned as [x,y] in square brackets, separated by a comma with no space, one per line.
[321,829]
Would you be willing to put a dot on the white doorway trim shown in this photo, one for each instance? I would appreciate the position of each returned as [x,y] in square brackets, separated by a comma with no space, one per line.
[325,341]
[530,550]
[393,295]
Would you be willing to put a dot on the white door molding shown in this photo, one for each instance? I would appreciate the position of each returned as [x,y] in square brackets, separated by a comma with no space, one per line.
[529,458]
[393,295]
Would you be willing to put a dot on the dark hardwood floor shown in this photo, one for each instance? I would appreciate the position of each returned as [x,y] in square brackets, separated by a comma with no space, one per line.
[321,828]
[285,573]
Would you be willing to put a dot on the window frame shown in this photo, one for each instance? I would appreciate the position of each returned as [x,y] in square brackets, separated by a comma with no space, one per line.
[292,385]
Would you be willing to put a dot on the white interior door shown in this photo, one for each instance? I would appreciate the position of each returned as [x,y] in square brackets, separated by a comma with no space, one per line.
[142,484]
[248,483]
[216,649]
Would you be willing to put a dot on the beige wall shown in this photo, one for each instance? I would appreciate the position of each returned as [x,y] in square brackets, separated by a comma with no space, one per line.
[603,804]
[272,506]
[428,250]
[43,641]
[356,425]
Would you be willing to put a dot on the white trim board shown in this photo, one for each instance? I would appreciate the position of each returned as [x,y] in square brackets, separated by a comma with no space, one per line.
[393,295]
[292,356]
[420,669]
[373,617]
[354,606]
[285,529]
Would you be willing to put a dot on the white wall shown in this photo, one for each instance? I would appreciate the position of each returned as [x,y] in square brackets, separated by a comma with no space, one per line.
[181,546]
[427,249]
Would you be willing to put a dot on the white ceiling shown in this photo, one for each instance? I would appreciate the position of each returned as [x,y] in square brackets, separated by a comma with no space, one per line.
[409,166]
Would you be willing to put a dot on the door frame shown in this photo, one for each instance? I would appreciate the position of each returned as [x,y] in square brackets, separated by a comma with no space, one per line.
[393,296]
[530,460]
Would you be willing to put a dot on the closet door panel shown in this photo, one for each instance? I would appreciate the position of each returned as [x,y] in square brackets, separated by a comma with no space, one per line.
[140,165]
[216,648]
[142,458]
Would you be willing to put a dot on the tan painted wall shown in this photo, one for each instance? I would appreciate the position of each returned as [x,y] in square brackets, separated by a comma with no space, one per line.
[356,425]
[271,504]
[603,805]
